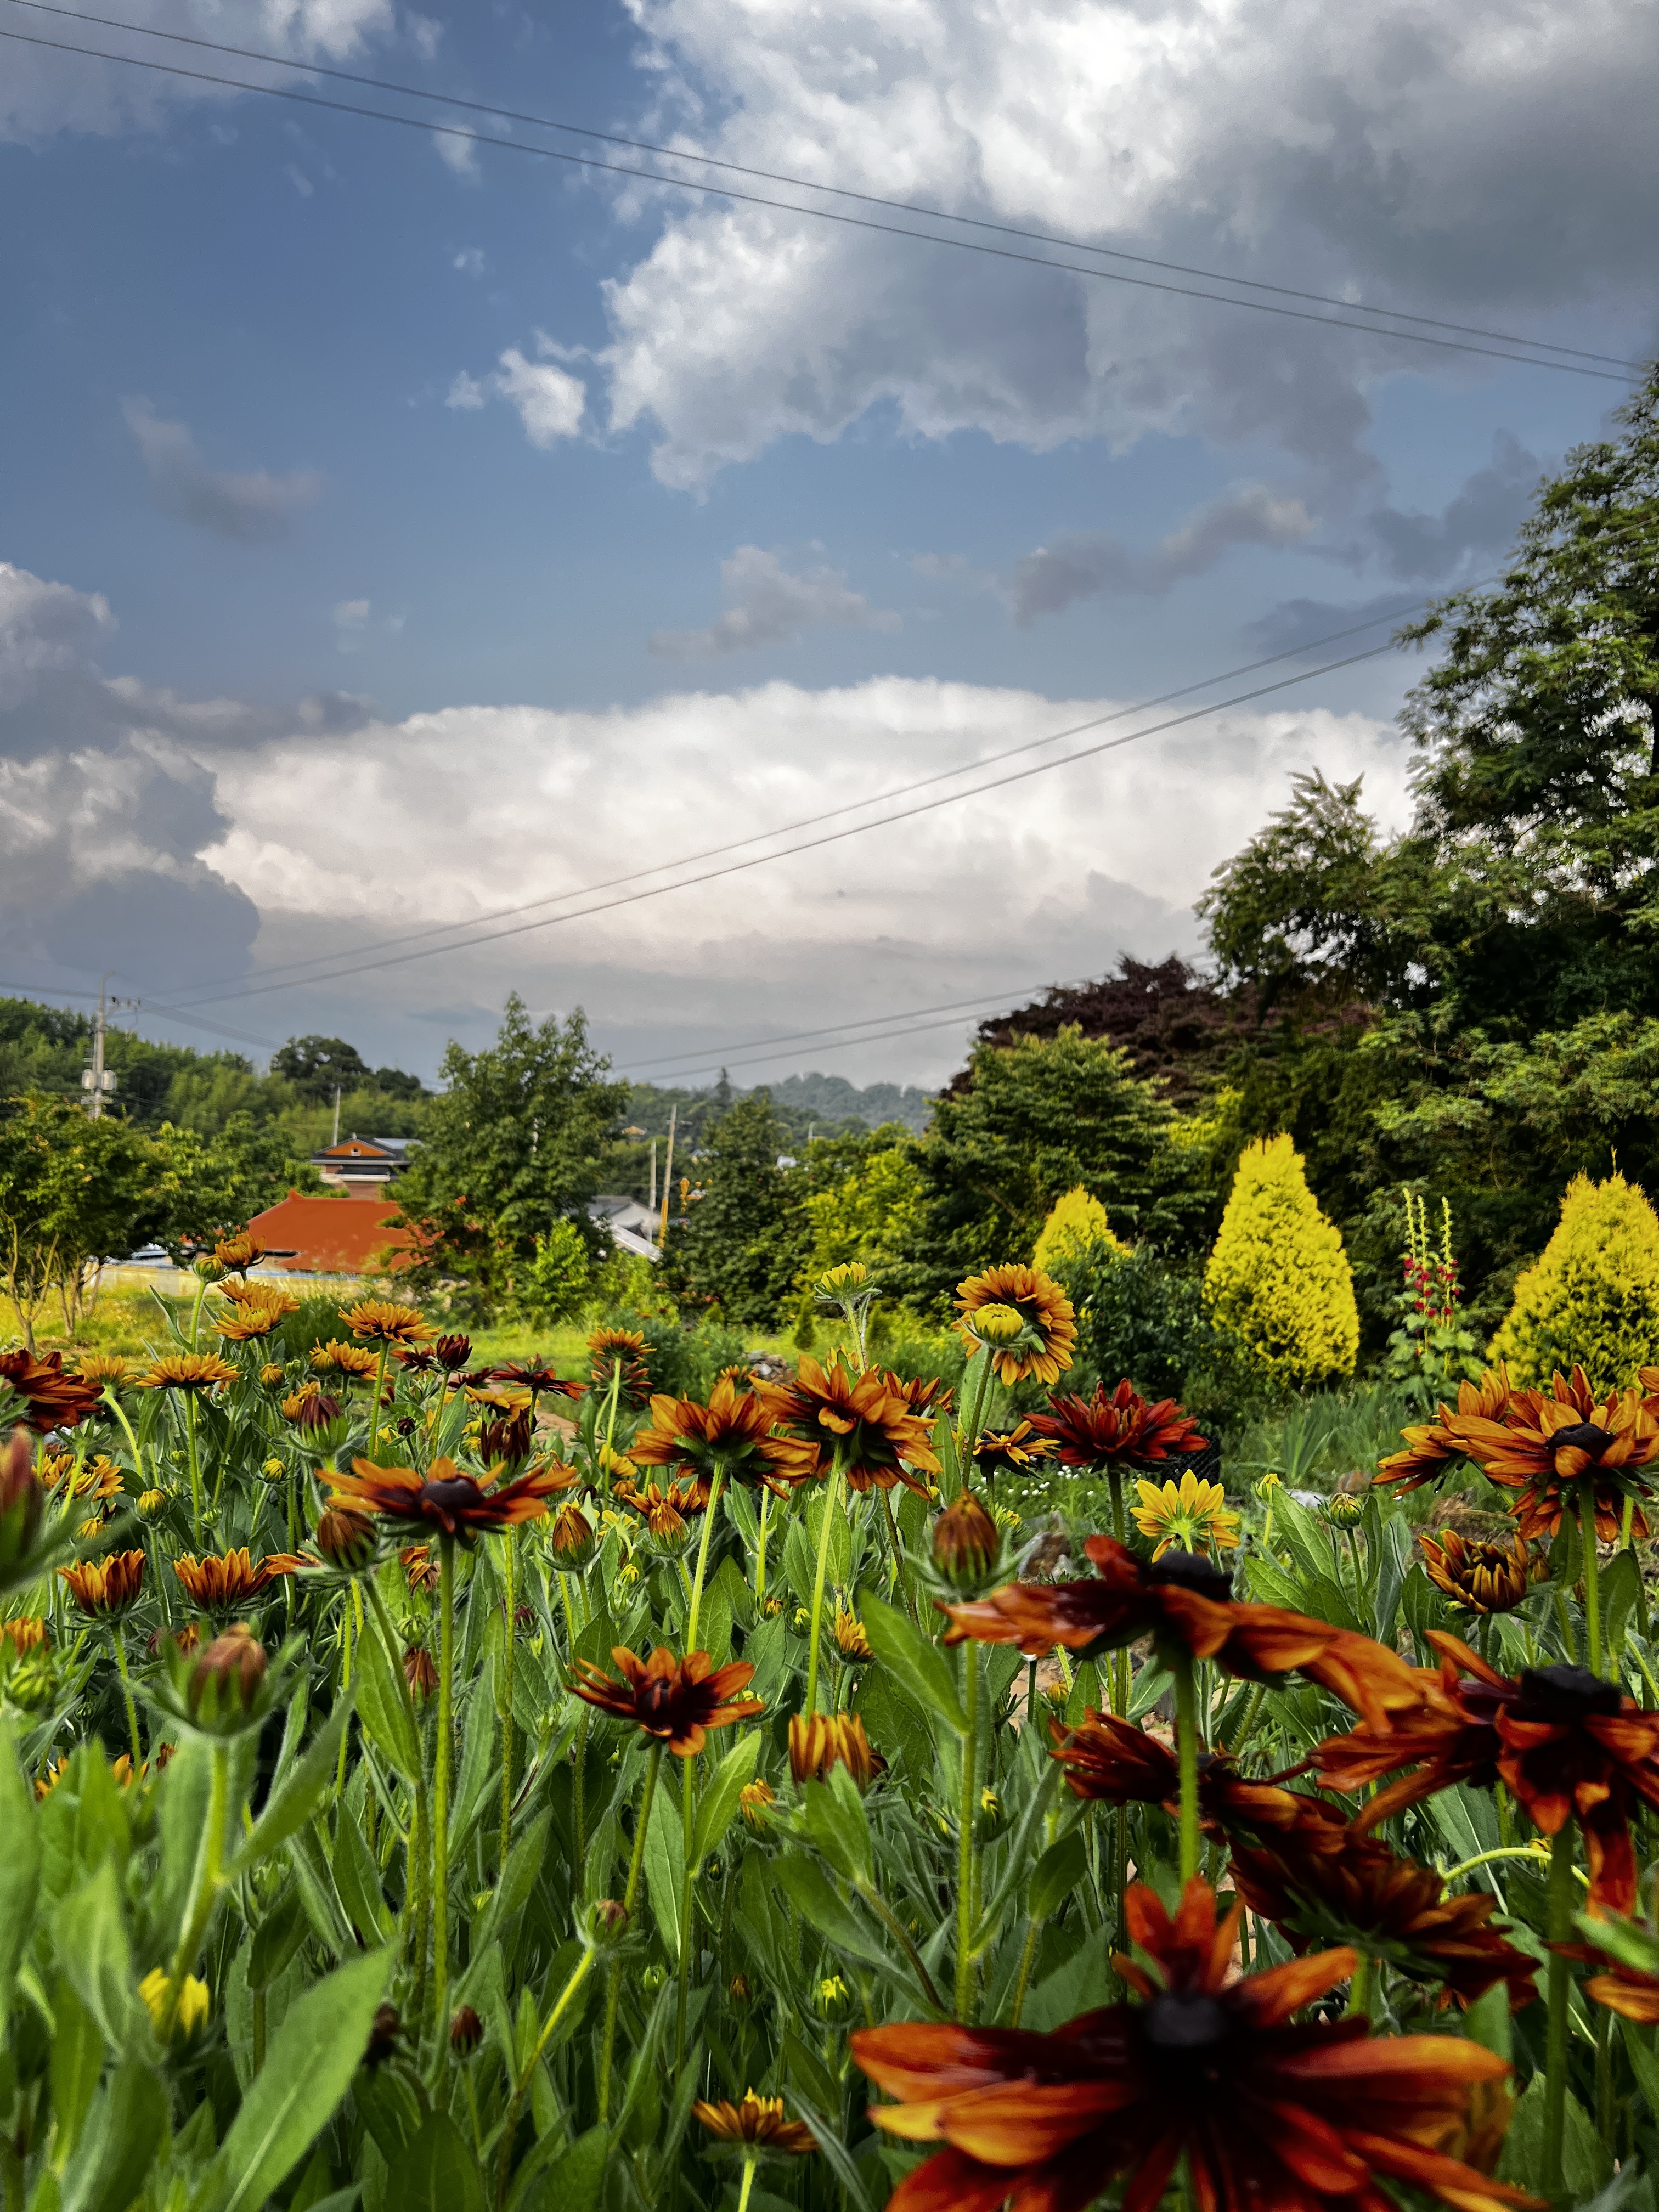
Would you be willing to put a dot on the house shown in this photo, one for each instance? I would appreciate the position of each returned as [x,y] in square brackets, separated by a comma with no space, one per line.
[633,1227]
[329,1236]
[363,1164]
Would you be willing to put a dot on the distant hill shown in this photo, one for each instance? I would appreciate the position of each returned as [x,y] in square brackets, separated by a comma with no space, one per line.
[838,1100]
[807,1105]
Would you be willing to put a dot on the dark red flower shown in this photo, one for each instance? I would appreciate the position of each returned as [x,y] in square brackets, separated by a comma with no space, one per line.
[1267,2115]
[445,1497]
[1183,1600]
[1119,1428]
[677,1700]
[51,1399]
[539,1375]
[1109,1761]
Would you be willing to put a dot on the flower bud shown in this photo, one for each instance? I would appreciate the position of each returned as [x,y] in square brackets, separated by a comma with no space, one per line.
[420,1674]
[611,1914]
[345,1538]
[573,1541]
[1343,1511]
[1268,1484]
[996,1324]
[967,1544]
[385,2033]
[653,1979]
[174,2021]
[453,1353]
[832,1999]
[152,1503]
[271,1373]
[755,1802]
[23,1500]
[738,1991]
[818,1742]
[466,2033]
[227,1675]
[851,1642]
[273,1469]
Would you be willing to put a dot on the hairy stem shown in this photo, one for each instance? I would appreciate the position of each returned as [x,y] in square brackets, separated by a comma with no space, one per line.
[965,1843]
[119,1646]
[1592,1573]
[1186,1745]
[510,1600]
[831,1506]
[1559,1998]
[440,1784]
[609,2045]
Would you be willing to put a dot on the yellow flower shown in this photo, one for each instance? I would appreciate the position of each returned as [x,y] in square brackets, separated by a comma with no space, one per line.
[1188,1518]
[273,1470]
[382,1321]
[192,2007]
[1042,1346]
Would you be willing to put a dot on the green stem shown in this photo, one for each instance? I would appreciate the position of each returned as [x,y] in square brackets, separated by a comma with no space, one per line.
[748,2184]
[578,1975]
[375,1403]
[1592,1572]
[1120,1689]
[611,1408]
[831,1506]
[510,1537]
[114,1405]
[695,1607]
[196,1310]
[195,1467]
[760,1568]
[1186,1745]
[440,1784]
[608,2047]
[1027,1961]
[968,1435]
[965,1826]
[119,1650]
[1533,1851]
[1561,2024]
[207,1886]
[688,1817]
[345,1685]
[579,1797]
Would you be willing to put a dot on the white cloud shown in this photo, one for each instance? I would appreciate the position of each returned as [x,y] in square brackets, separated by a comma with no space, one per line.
[1083,563]
[1050,877]
[466,392]
[1489,160]
[42,92]
[766,604]
[470,261]
[247,504]
[302,182]
[425,35]
[458,156]
[550,403]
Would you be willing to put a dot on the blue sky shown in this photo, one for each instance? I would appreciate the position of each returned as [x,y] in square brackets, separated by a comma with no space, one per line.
[595,529]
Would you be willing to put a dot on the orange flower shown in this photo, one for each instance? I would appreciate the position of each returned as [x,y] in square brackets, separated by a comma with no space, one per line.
[382,1321]
[1109,1761]
[106,1586]
[1012,1451]
[237,1254]
[818,1742]
[1481,1577]
[1119,1430]
[446,1499]
[24,1631]
[1630,1991]
[607,1349]
[1047,1336]
[537,1376]
[1284,2117]
[224,1583]
[1431,1447]
[347,1359]
[99,1368]
[756,2124]
[1565,1743]
[733,1430]
[863,1420]
[1320,1882]
[188,1370]
[52,1398]
[256,1309]
[926,1394]
[1184,1600]
[676,1700]
[420,1568]
[1546,1449]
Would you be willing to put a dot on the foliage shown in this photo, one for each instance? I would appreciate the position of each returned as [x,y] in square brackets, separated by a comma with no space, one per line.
[1037,1119]
[318,1066]
[72,1191]
[736,1248]
[870,1214]
[1431,1352]
[1593,1298]
[1278,1280]
[556,1283]
[1077,1223]
[512,1145]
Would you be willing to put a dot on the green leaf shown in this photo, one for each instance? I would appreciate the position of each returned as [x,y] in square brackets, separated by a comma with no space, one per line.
[720,1798]
[20,1865]
[435,2171]
[383,1708]
[302,1791]
[1567,1554]
[810,1890]
[664,1866]
[1621,1598]
[307,2070]
[128,2128]
[1587,2161]
[1057,1874]
[1643,2057]
[276,1939]
[836,2156]
[77,2060]
[1629,1942]
[1082,1982]
[574,2185]
[1487,2021]
[186,1790]
[480,1772]
[90,1934]
[919,1666]
[835,1822]
[357,1879]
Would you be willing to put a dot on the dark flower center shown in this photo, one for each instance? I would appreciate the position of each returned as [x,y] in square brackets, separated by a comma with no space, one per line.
[1191,1570]
[1567,1693]
[452,1493]
[1185,2021]
[1582,1436]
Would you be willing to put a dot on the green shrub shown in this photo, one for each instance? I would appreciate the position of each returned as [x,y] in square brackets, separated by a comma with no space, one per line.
[1592,1298]
[1077,1223]
[1278,1282]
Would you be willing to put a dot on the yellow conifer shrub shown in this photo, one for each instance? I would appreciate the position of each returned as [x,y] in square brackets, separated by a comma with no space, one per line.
[1592,1296]
[1075,1222]
[1279,1281]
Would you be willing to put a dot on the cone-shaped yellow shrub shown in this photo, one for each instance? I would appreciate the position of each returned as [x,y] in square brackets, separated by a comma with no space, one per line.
[1279,1281]
[1593,1297]
[1075,1223]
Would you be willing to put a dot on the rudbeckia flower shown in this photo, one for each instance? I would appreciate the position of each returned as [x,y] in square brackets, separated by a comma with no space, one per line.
[1042,1343]
[1118,1428]
[1207,2067]
[1483,1578]
[1110,1761]
[1433,1446]
[447,1498]
[863,1420]
[818,1742]
[733,1431]
[676,1700]
[1016,1450]
[756,2125]
[52,1398]
[609,1348]
[383,1321]
[106,1586]
[1186,1517]
[1548,1449]
[188,1370]
[225,1584]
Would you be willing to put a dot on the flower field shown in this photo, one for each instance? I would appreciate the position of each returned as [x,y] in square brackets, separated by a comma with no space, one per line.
[435,1784]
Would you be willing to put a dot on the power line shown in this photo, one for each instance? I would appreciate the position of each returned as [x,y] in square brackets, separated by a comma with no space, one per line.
[810,184]
[830,838]
[820,214]
[319,966]
[39,993]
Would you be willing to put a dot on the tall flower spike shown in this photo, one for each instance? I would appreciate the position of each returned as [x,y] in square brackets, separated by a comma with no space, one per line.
[1284,2117]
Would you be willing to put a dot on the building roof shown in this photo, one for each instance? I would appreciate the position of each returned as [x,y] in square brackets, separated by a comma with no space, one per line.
[355,1147]
[330,1236]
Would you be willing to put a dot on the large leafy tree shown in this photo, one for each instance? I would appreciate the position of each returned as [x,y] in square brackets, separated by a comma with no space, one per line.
[736,1245]
[513,1146]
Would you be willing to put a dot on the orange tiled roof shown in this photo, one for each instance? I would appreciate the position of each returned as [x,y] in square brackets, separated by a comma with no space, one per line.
[330,1236]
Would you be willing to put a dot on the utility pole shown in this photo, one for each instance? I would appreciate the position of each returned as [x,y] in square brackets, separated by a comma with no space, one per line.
[653,1174]
[668,1175]
[336,1139]
[98,1081]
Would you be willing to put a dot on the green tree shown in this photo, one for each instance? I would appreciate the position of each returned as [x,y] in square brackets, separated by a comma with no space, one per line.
[209,1187]
[512,1145]
[740,1245]
[1036,1119]
[73,1193]
[317,1066]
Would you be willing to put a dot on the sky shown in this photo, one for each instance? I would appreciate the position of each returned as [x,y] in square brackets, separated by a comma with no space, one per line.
[401,528]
